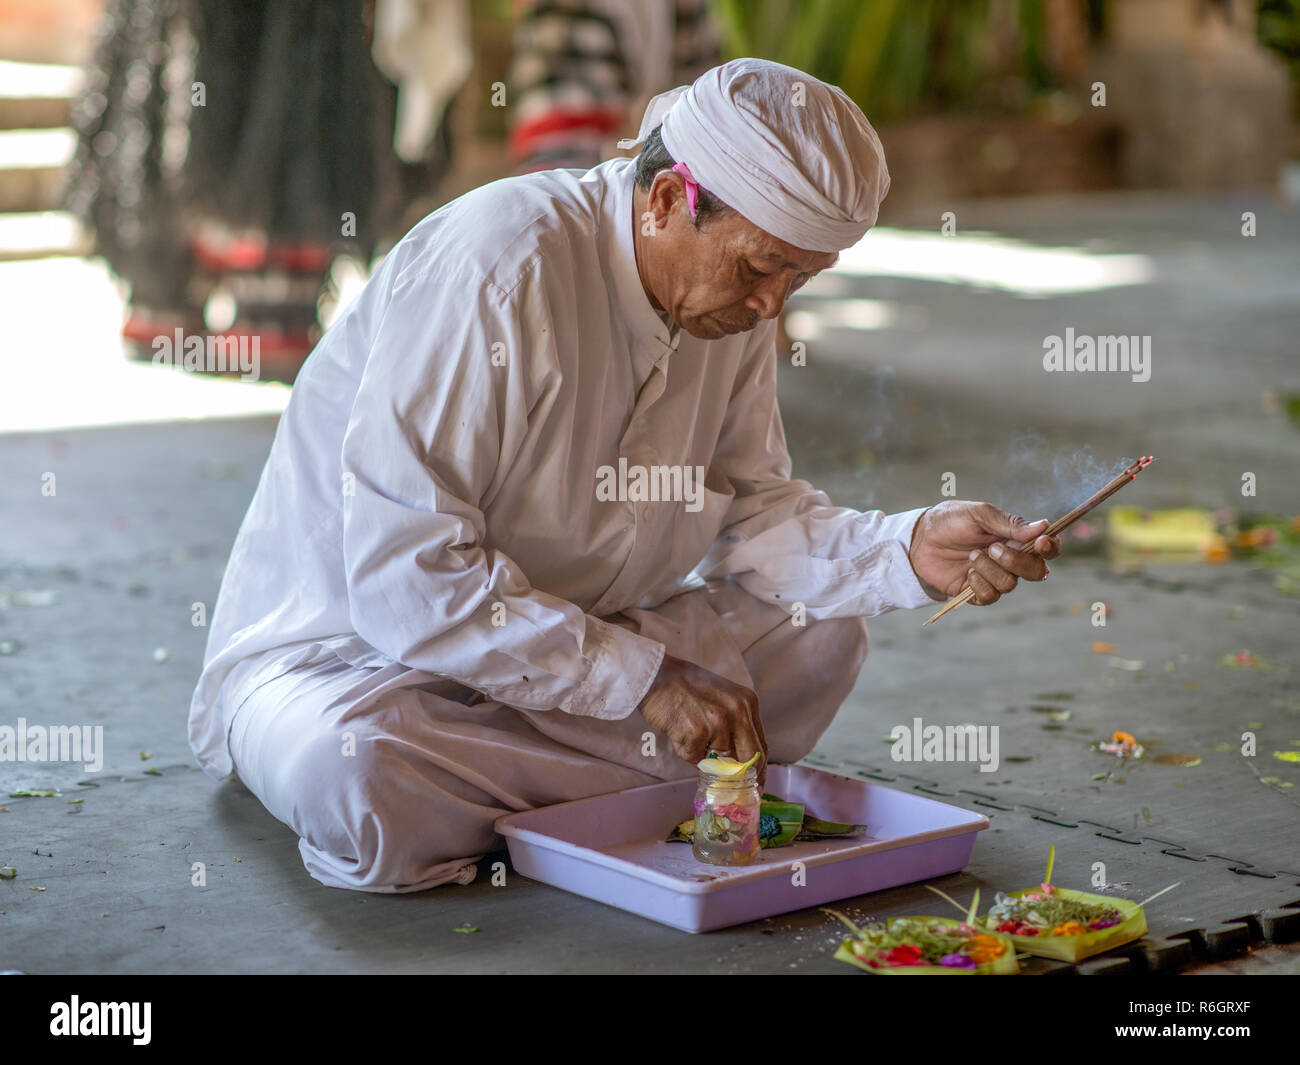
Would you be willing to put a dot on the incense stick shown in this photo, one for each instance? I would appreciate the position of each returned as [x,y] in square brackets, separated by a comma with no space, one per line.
[1058,526]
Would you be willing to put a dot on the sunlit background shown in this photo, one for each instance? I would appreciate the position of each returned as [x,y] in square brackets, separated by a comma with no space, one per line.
[972,99]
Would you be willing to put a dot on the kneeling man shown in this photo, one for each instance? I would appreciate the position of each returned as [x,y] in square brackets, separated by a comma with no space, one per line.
[527,532]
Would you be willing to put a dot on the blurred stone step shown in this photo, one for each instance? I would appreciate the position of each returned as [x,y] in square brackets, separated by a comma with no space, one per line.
[37,95]
[42,233]
[32,163]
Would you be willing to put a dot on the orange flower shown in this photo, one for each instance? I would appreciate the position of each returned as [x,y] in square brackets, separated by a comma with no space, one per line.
[1069,928]
[1260,536]
[1123,737]
[985,949]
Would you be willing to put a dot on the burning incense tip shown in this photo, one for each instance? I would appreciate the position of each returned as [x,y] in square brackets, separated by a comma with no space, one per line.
[1059,526]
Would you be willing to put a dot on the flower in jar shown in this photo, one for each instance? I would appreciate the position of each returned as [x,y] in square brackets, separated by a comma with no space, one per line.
[732,811]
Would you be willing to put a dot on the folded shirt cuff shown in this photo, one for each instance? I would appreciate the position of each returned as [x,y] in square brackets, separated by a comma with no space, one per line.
[621,672]
[901,586]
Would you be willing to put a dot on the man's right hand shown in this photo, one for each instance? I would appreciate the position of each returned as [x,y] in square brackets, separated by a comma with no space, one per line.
[700,711]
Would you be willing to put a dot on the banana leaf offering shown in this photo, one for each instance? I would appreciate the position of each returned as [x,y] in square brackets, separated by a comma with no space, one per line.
[1064,924]
[1054,922]
[927,946]
[779,823]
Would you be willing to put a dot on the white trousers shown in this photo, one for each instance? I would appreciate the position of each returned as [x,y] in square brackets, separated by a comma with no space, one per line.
[393,777]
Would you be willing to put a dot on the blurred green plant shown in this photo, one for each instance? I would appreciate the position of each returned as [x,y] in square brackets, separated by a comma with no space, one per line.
[901,58]
[1278,28]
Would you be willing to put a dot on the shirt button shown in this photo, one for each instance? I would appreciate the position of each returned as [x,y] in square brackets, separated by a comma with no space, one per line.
[648,513]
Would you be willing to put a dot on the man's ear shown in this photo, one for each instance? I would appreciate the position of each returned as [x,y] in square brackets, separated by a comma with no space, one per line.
[667,192]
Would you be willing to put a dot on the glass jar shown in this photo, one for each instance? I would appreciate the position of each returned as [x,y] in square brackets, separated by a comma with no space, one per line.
[727,811]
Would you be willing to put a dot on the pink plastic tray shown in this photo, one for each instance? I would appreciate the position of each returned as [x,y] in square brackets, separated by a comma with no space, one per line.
[611,848]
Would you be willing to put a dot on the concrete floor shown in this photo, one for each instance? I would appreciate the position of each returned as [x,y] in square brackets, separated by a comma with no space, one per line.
[97,586]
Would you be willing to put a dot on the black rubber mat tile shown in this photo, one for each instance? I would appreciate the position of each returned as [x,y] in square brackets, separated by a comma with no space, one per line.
[1163,955]
[987,801]
[1106,966]
[1280,926]
[1120,839]
[1050,817]
[1219,941]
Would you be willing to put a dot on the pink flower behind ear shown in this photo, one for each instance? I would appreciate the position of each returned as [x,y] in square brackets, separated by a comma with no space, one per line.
[692,187]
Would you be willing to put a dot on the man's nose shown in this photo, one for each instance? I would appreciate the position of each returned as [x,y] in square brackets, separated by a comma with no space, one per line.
[769,298]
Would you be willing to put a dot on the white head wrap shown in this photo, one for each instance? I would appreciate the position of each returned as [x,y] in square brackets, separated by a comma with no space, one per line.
[792,154]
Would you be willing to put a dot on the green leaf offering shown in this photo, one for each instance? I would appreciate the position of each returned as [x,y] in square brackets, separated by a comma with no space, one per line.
[1055,922]
[816,828]
[682,833]
[780,823]
[931,946]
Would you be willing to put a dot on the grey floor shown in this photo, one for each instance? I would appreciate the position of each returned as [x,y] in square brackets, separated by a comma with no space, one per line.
[97,587]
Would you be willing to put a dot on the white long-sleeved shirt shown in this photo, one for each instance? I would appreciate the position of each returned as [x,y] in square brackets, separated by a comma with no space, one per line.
[431,494]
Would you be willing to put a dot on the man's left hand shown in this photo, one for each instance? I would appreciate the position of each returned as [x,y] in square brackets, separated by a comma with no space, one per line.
[956,543]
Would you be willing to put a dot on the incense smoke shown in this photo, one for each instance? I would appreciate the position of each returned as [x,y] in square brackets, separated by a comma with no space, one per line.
[1035,484]
[873,411]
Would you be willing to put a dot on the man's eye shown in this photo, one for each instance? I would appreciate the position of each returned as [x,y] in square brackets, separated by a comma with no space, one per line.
[755,273]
